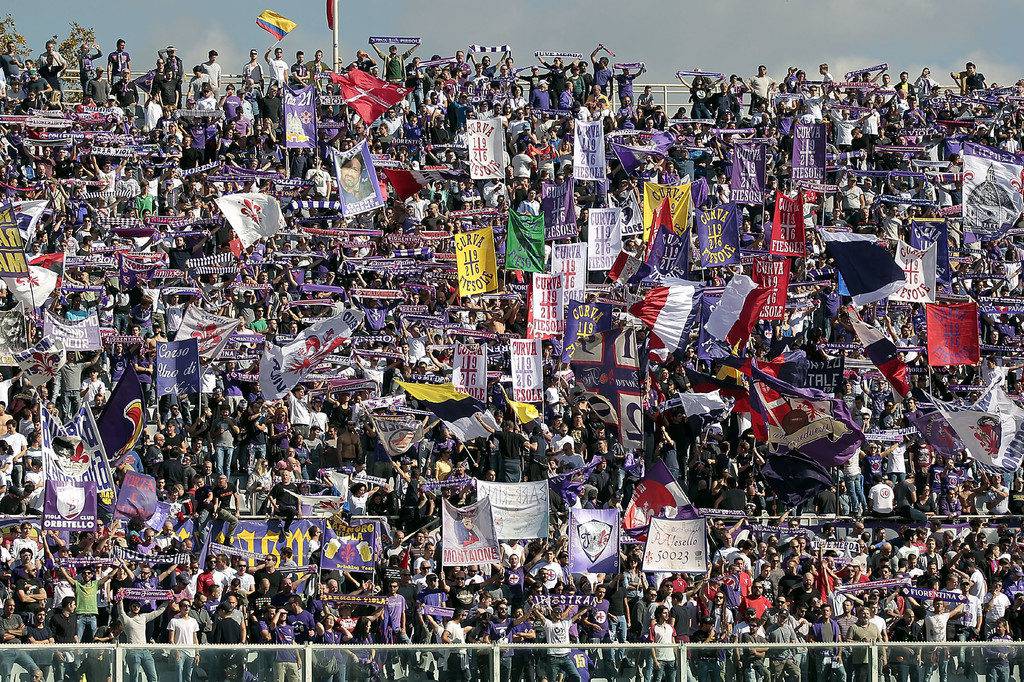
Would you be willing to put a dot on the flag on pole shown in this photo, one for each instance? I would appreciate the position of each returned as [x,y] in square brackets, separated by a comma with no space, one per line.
[665,310]
[275,24]
[883,353]
[868,269]
[739,309]
[330,13]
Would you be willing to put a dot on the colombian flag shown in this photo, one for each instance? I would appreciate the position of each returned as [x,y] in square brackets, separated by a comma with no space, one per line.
[274,24]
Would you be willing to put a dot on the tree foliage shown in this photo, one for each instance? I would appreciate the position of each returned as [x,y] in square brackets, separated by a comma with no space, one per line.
[9,33]
[77,36]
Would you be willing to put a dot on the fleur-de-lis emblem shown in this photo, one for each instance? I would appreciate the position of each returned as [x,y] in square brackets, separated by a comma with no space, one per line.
[252,210]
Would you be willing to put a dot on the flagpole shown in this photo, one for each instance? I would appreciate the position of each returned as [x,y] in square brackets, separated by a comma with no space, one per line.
[334,33]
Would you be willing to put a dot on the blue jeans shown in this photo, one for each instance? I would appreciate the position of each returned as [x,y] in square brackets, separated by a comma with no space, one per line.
[707,670]
[998,671]
[855,489]
[564,665]
[83,620]
[9,658]
[183,664]
[617,632]
[139,660]
[665,670]
[224,458]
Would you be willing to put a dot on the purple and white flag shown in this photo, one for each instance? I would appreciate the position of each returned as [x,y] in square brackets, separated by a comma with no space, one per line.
[604,238]
[718,236]
[809,152]
[747,182]
[177,367]
[594,540]
[559,207]
[588,162]
[708,347]
[70,506]
[300,118]
[83,335]
[571,261]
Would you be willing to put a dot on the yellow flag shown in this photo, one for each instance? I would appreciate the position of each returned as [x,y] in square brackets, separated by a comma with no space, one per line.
[432,393]
[525,412]
[678,199]
[477,265]
[275,24]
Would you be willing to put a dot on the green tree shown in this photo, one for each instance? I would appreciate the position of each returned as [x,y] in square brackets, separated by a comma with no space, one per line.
[9,34]
[78,35]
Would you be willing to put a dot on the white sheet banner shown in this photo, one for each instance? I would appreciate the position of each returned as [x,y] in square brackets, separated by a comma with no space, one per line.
[527,370]
[485,138]
[81,335]
[281,367]
[520,510]
[604,238]
[571,261]
[919,269]
[676,546]
[467,535]
[469,369]
[547,307]
[588,161]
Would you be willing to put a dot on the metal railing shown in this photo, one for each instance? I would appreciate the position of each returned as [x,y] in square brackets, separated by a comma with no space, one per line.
[500,662]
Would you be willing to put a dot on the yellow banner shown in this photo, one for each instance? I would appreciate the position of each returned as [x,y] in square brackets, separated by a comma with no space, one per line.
[12,246]
[476,262]
[678,199]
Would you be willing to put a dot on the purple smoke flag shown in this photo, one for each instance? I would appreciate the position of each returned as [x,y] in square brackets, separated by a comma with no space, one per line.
[795,479]
[718,234]
[803,420]
[632,156]
[709,347]
[137,498]
[177,367]
[300,117]
[594,540]
[809,152]
[583,320]
[69,506]
[747,181]
[124,417]
[559,207]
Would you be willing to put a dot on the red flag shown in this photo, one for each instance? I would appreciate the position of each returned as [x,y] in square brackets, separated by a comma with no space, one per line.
[408,182]
[370,97]
[953,337]
[660,220]
[330,14]
[773,273]
[788,238]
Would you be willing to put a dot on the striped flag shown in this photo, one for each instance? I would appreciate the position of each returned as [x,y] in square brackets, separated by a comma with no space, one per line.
[739,309]
[883,353]
[275,24]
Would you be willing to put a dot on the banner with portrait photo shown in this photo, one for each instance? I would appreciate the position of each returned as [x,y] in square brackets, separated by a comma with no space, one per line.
[358,187]
[467,535]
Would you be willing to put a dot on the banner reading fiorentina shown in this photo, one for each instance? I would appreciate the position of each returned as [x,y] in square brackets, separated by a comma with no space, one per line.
[593,540]
[137,497]
[809,152]
[679,200]
[70,506]
[718,236]
[746,185]
[75,336]
[604,237]
[558,205]
[469,369]
[300,117]
[571,261]
[773,273]
[588,162]
[547,307]
[476,262]
[211,331]
[919,270]
[527,370]
[281,367]
[467,535]
[676,546]
[953,334]
[485,138]
[520,510]
[177,368]
[788,238]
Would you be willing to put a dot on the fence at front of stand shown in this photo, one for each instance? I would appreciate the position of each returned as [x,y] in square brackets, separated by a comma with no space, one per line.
[821,662]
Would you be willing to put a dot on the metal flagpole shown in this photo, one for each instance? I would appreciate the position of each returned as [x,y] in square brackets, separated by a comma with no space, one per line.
[334,33]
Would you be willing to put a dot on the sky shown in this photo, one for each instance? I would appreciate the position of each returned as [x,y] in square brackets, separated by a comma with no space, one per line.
[730,36]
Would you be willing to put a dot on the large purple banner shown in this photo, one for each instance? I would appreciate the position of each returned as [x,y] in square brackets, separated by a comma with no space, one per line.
[559,207]
[594,540]
[70,506]
[718,236]
[747,182]
[809,152]
[300,118]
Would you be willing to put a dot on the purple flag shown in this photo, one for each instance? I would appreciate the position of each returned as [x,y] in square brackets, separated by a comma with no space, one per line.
[708,346]
[699,192]
[124,416]
[69,506]
[632,156]
[559,206]
[669,255]
[129,272]
[137,497]
[804,420]
[718,234]
[747,181]
[583,320]
[594,540]
[351,547]
[927,231]
[300,118]
[177,367]
[937,432]
[795,479]
[809,152]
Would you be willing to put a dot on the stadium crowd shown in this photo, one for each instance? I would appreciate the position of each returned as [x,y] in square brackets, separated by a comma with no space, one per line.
[131,170]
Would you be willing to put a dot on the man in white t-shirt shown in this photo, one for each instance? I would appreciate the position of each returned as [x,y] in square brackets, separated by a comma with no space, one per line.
[455,633]
[184,629]
[881,497]
[278,66]
[556,631]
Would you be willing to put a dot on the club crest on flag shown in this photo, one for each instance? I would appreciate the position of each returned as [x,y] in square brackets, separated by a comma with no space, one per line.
[594,537]
[795,422]
[70,501]
[989,434]
[71,457]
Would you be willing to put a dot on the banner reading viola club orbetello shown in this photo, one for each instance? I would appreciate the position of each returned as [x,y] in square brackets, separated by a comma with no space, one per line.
[70,506]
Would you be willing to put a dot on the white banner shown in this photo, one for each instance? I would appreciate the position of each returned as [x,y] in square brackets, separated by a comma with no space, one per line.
[676,546]
[919,270]
[547,307]
[520,510]
[527,370]
[82,335]
[32,291]
[631,218]
[252,216]
[571,261]
[469,369]
[485,138]
[991,189]
[281,367]
[467,535]
[212,331]
[604,237]
[588,151]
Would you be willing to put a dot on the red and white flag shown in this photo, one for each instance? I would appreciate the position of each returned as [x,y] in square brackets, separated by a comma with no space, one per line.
[739,309]
[665,311]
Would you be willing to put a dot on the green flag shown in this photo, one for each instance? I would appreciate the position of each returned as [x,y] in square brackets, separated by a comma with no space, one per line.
[524,247]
